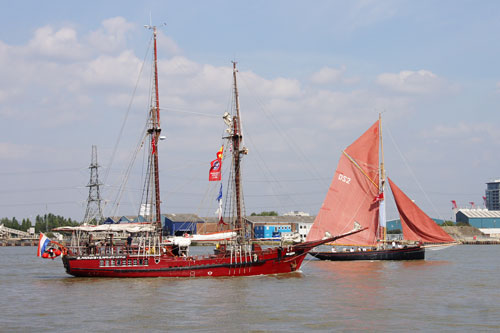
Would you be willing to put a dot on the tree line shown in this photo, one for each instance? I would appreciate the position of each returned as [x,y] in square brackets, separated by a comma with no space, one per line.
[43,223]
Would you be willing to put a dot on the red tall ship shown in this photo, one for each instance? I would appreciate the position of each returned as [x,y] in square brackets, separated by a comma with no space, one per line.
[149,254]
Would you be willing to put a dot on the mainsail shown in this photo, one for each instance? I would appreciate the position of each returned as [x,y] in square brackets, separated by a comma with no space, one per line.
[351,195]
[417,226]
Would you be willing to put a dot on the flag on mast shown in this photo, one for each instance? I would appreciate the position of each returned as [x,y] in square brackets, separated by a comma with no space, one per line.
[216,167]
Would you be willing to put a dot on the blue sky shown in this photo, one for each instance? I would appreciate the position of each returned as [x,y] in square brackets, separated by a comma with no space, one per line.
[313,77]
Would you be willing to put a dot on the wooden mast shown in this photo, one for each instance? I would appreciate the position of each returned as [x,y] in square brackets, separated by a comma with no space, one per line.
[382,174]
[237,151]
[155,131]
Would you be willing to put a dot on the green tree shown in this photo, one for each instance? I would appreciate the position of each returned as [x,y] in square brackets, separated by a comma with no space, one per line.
[448,223]
[271,213]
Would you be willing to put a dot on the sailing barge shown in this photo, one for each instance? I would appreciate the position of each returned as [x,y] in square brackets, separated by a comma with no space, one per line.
[356,196]
[152,255]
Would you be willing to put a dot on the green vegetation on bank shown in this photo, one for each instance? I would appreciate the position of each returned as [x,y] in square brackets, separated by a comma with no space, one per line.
[271,213]
[42,223]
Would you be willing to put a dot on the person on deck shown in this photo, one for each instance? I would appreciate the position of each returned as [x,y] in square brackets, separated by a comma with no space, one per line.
[129,243]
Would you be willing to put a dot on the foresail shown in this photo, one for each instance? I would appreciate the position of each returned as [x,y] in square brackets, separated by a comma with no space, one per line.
[417,226]
[350,197]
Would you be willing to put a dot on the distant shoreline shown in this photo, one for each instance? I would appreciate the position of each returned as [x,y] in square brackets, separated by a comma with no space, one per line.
[34,243]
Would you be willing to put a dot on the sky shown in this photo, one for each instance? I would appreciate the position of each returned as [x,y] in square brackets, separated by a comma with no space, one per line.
[313,76]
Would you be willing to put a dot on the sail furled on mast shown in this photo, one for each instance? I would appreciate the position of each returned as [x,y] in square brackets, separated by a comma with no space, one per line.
[350,197]
[417,225]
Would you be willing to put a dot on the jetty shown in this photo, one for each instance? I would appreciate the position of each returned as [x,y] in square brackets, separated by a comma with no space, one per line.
[14,237]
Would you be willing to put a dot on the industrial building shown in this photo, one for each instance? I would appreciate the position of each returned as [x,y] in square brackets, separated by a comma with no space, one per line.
[263,227]
[487,221]
[299,224]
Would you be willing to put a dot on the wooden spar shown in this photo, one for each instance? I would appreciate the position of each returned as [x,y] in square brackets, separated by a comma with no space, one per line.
[237,136]
[360,169]
[155,135]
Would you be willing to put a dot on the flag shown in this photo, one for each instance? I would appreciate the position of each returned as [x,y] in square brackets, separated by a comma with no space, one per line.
[454,203]
[153,145]
[219,153]
[221,221]
[378,197]
[215,170]
[219,197]
[219,210]
[42,244]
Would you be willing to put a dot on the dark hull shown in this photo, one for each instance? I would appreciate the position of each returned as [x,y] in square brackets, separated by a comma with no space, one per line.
[410,253]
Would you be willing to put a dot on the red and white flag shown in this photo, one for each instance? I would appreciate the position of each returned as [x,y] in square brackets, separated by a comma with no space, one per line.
[379,197]
[215,170]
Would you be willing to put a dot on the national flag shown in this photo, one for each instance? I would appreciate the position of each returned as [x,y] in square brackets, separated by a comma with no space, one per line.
[219,153]
[454,203]
[378,197]
[215,170]
[219,210]
[219,197]
[42,244]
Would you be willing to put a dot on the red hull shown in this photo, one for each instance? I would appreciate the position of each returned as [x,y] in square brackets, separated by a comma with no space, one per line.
[271,261]
[276,260]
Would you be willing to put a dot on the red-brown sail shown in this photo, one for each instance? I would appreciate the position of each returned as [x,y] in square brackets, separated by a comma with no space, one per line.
[350,197]
[417,226]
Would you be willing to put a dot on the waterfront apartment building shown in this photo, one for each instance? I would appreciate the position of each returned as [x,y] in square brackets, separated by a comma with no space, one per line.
[493,195]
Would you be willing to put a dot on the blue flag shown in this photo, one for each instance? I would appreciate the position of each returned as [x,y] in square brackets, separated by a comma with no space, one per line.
[219,197]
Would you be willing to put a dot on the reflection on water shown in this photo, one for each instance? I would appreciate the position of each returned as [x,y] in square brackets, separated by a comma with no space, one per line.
[453,290]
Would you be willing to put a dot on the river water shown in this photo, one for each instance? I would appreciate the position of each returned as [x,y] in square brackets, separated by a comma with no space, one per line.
[456,289]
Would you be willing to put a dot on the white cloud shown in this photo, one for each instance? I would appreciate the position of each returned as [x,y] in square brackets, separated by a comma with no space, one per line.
[111,36]
[121,70]
[60,44]
[328,75]
[276,88]
[414,82]
[473,133]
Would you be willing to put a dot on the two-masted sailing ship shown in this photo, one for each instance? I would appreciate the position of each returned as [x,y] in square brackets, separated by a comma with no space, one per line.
[147,253]
[357,196]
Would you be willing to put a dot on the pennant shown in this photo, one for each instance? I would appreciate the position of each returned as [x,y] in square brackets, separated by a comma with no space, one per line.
[215,170]
[43,241]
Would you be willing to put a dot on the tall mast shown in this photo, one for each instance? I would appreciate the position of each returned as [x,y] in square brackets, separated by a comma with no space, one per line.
[382,216]
[154,132]
[237,151]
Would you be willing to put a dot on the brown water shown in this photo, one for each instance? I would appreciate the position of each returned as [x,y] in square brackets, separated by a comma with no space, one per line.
[457,289]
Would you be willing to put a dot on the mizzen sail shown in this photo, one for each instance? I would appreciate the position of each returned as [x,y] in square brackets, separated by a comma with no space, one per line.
[351,195]
[417,226]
